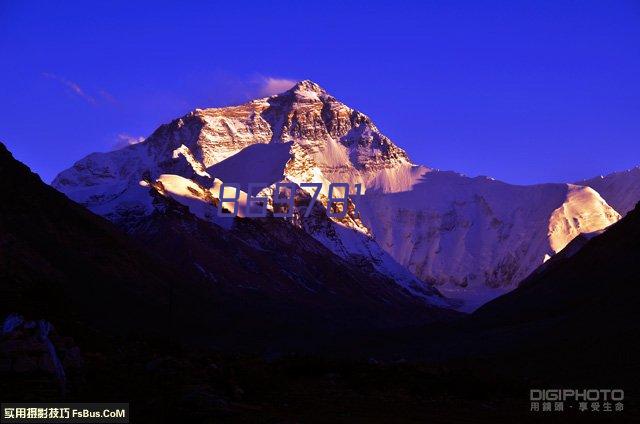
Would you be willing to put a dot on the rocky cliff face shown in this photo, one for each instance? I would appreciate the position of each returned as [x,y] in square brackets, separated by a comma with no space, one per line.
[472,237]
[310,136]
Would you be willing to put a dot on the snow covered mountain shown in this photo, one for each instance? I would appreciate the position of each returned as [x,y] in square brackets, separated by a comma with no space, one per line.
[303,135]
[620,189]
[476,238]
[472,237]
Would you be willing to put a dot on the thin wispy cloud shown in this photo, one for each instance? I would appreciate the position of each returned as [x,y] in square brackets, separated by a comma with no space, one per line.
[124,140]
[108,96]
[271,86]
[71,86]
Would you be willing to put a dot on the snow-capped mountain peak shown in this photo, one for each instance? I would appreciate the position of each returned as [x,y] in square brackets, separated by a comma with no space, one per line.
[307,89]
[466,235]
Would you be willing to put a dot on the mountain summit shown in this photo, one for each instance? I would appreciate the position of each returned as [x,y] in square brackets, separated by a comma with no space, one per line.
[307,86]
[474,238]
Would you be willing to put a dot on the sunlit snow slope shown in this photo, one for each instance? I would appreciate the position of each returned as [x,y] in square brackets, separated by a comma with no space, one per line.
[473,238]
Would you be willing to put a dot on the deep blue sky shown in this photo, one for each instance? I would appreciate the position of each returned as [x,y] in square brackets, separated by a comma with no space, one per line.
[522,91]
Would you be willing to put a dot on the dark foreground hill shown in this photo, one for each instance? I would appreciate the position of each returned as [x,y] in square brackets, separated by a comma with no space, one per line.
[574,323]
[131,324]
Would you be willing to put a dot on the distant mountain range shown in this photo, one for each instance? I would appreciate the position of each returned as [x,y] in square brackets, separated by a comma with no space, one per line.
[471,238]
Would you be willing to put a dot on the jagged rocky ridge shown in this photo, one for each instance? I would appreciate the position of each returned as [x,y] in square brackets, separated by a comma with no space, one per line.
[474,238]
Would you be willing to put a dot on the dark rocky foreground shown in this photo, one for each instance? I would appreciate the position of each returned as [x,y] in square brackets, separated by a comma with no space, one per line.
[172,385]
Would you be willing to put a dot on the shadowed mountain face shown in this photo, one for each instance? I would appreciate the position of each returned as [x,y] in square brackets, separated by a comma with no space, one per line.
[59,260]
[267,160]
[284,278]
[579,315]
[597,283]
[182,276]
[132,324]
